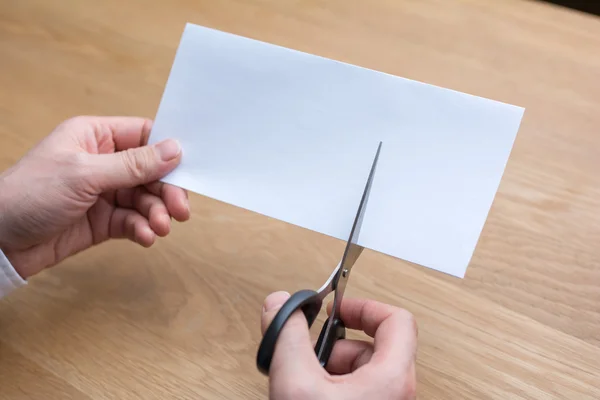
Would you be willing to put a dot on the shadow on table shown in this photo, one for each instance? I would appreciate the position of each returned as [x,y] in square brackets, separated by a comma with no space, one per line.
[588,6]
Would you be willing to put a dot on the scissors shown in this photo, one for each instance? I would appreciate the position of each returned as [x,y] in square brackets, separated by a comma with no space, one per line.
[310,301]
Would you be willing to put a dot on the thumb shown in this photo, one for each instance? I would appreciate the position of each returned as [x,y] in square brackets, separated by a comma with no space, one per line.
[134,166]
[294,354]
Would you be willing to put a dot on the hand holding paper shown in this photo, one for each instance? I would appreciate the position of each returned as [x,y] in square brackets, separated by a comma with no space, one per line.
[291,135]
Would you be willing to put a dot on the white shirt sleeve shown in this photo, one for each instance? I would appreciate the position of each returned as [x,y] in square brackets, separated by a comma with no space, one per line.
[9,278]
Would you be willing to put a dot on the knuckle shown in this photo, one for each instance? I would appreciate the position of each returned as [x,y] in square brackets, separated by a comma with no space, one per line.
[136,163]
[407,318]
[78,119]
[75,122]
[75,166]
[404,388]
[409,388]
[299,390]
[74,126]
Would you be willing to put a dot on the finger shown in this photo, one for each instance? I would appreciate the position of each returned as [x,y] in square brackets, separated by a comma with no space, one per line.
[130,224]
[124,197]
[271,306]
[124,132]
[132,167]
[394,329]
[349,355]
[294,353]
[154,210]
[175,198]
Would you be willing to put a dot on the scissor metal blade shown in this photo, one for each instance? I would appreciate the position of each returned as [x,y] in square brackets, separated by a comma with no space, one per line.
[353,251]
[338,280]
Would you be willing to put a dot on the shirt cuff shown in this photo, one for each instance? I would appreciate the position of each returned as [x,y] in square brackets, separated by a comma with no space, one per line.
[9,278]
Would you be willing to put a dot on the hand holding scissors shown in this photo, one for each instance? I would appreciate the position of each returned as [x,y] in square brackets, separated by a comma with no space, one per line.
[310,301]
[297,370]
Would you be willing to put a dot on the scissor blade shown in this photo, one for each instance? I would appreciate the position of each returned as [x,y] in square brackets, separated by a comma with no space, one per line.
[339,279]
[353,251]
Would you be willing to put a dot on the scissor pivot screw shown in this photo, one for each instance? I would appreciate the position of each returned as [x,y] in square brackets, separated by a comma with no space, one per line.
[344,273]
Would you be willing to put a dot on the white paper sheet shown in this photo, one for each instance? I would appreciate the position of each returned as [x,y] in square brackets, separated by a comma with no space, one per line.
[292,136]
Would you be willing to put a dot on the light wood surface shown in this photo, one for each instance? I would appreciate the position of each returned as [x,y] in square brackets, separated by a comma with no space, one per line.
[181,320]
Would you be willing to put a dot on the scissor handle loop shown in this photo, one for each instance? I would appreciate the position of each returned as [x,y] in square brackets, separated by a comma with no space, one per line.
[327,339]
[310,304]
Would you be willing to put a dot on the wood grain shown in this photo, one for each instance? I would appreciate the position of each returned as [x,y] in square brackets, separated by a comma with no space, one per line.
[181,320]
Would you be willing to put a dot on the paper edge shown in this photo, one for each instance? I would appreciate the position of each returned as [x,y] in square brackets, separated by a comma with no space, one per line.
[190,25]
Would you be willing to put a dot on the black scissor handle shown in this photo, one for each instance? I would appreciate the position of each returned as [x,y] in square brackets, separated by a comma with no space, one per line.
[310,304]
[327,340]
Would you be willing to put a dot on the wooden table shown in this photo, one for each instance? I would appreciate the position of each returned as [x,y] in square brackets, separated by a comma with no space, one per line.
[181,320]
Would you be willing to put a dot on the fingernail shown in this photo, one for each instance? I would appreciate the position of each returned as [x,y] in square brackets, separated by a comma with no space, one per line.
[275,300]
[168,149]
